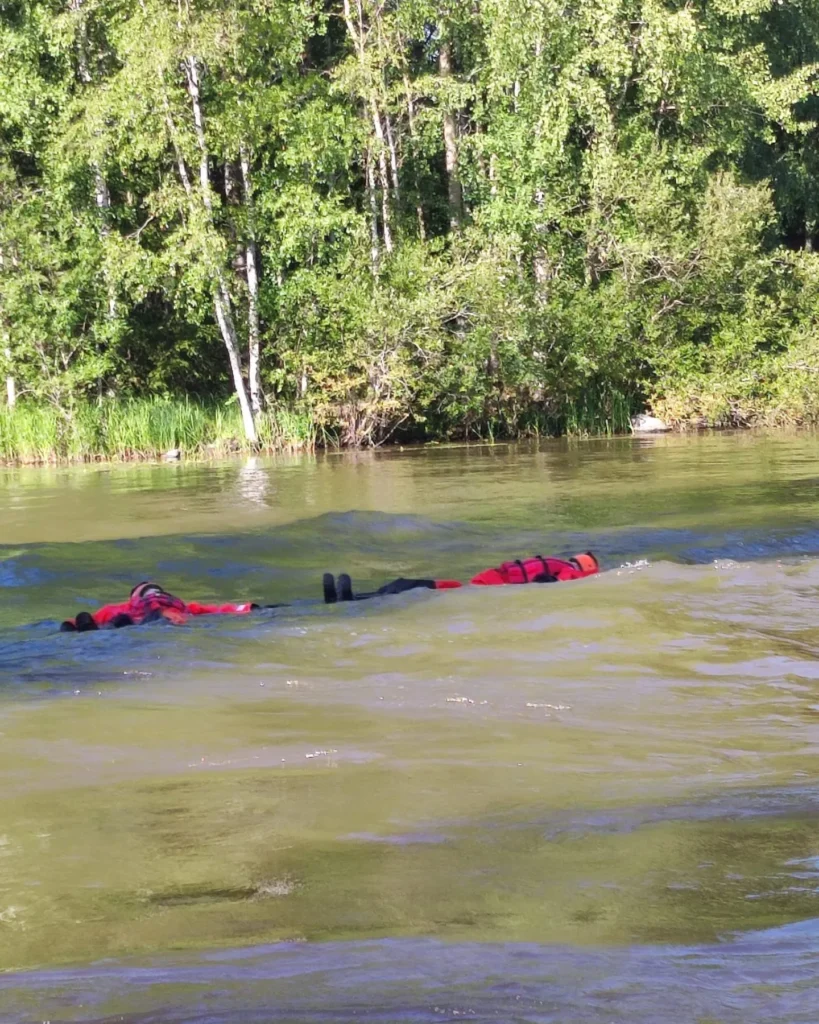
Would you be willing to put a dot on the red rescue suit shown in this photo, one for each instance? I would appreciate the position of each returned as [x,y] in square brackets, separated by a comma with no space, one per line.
[149,603]
[528,570]
[164,606]
[538,570]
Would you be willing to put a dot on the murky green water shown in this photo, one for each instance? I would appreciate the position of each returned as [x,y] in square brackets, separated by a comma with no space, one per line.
[587,802]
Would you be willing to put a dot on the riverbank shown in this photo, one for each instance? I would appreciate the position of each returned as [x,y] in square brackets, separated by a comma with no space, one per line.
[150,429]
[147,429]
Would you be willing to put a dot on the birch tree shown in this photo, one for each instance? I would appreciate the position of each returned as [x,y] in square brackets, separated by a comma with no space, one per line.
[413,218]
[199,85]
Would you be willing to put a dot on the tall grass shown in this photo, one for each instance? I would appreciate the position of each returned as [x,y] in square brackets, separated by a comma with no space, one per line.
[142,429]
[147,428]
[598,413]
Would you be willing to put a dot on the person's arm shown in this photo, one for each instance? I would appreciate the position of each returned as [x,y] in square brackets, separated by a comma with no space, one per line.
[115,615]
[194,608]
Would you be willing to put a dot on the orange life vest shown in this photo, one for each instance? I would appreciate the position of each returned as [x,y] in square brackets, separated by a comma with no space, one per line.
[538,570]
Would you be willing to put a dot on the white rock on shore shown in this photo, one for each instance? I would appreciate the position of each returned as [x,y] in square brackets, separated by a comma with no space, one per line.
[644,424]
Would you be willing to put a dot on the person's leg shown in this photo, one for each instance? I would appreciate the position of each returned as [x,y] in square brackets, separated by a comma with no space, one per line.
[342,589]
[401,585]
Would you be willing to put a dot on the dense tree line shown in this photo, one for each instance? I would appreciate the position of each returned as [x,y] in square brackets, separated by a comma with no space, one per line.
[413,217]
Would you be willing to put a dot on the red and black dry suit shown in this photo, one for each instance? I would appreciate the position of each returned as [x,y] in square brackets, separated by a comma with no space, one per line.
[528,570]
[148,603]
[539,570]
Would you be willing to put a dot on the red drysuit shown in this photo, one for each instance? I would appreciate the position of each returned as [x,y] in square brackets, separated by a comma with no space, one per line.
[149,602]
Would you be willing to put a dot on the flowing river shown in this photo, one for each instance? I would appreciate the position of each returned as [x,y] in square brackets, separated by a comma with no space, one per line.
[587,802]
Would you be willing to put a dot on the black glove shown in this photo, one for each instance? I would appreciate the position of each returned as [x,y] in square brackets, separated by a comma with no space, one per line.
[123,619]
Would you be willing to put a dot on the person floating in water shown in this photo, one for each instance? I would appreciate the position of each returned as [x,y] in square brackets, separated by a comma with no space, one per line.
[150,603]
[529,570]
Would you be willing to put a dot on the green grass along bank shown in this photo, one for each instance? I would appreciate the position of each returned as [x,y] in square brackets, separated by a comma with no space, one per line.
[145,429]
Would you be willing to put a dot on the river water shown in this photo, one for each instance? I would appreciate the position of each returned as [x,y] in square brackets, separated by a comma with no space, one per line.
[588,802]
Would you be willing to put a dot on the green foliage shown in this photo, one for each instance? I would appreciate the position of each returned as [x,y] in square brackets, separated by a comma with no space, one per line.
[465,220]
[141,429]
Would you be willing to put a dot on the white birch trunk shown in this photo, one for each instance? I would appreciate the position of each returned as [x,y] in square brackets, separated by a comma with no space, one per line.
[383,175]
[11,386]
[419,209]
[253,331]
[396,187]
[103,200]
[451,144]
[221,295]
[358,36]
[375,243]
[102,195]
[230,181]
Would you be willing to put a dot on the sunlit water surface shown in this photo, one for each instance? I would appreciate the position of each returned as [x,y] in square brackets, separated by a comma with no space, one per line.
[592,802]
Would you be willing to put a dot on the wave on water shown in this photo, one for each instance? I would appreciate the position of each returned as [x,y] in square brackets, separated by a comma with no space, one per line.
[44,583]
[766,977]
[333,541]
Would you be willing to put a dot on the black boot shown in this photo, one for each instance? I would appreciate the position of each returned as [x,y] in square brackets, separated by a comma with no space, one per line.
[342,588]
[337,590]
[345,588]
[85,623]
[329,584]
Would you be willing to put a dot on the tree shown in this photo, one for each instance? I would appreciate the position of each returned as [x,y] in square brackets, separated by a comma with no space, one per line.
[412,217]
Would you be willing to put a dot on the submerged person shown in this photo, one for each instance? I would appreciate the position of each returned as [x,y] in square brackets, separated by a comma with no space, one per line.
[148,603]
[519,571]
